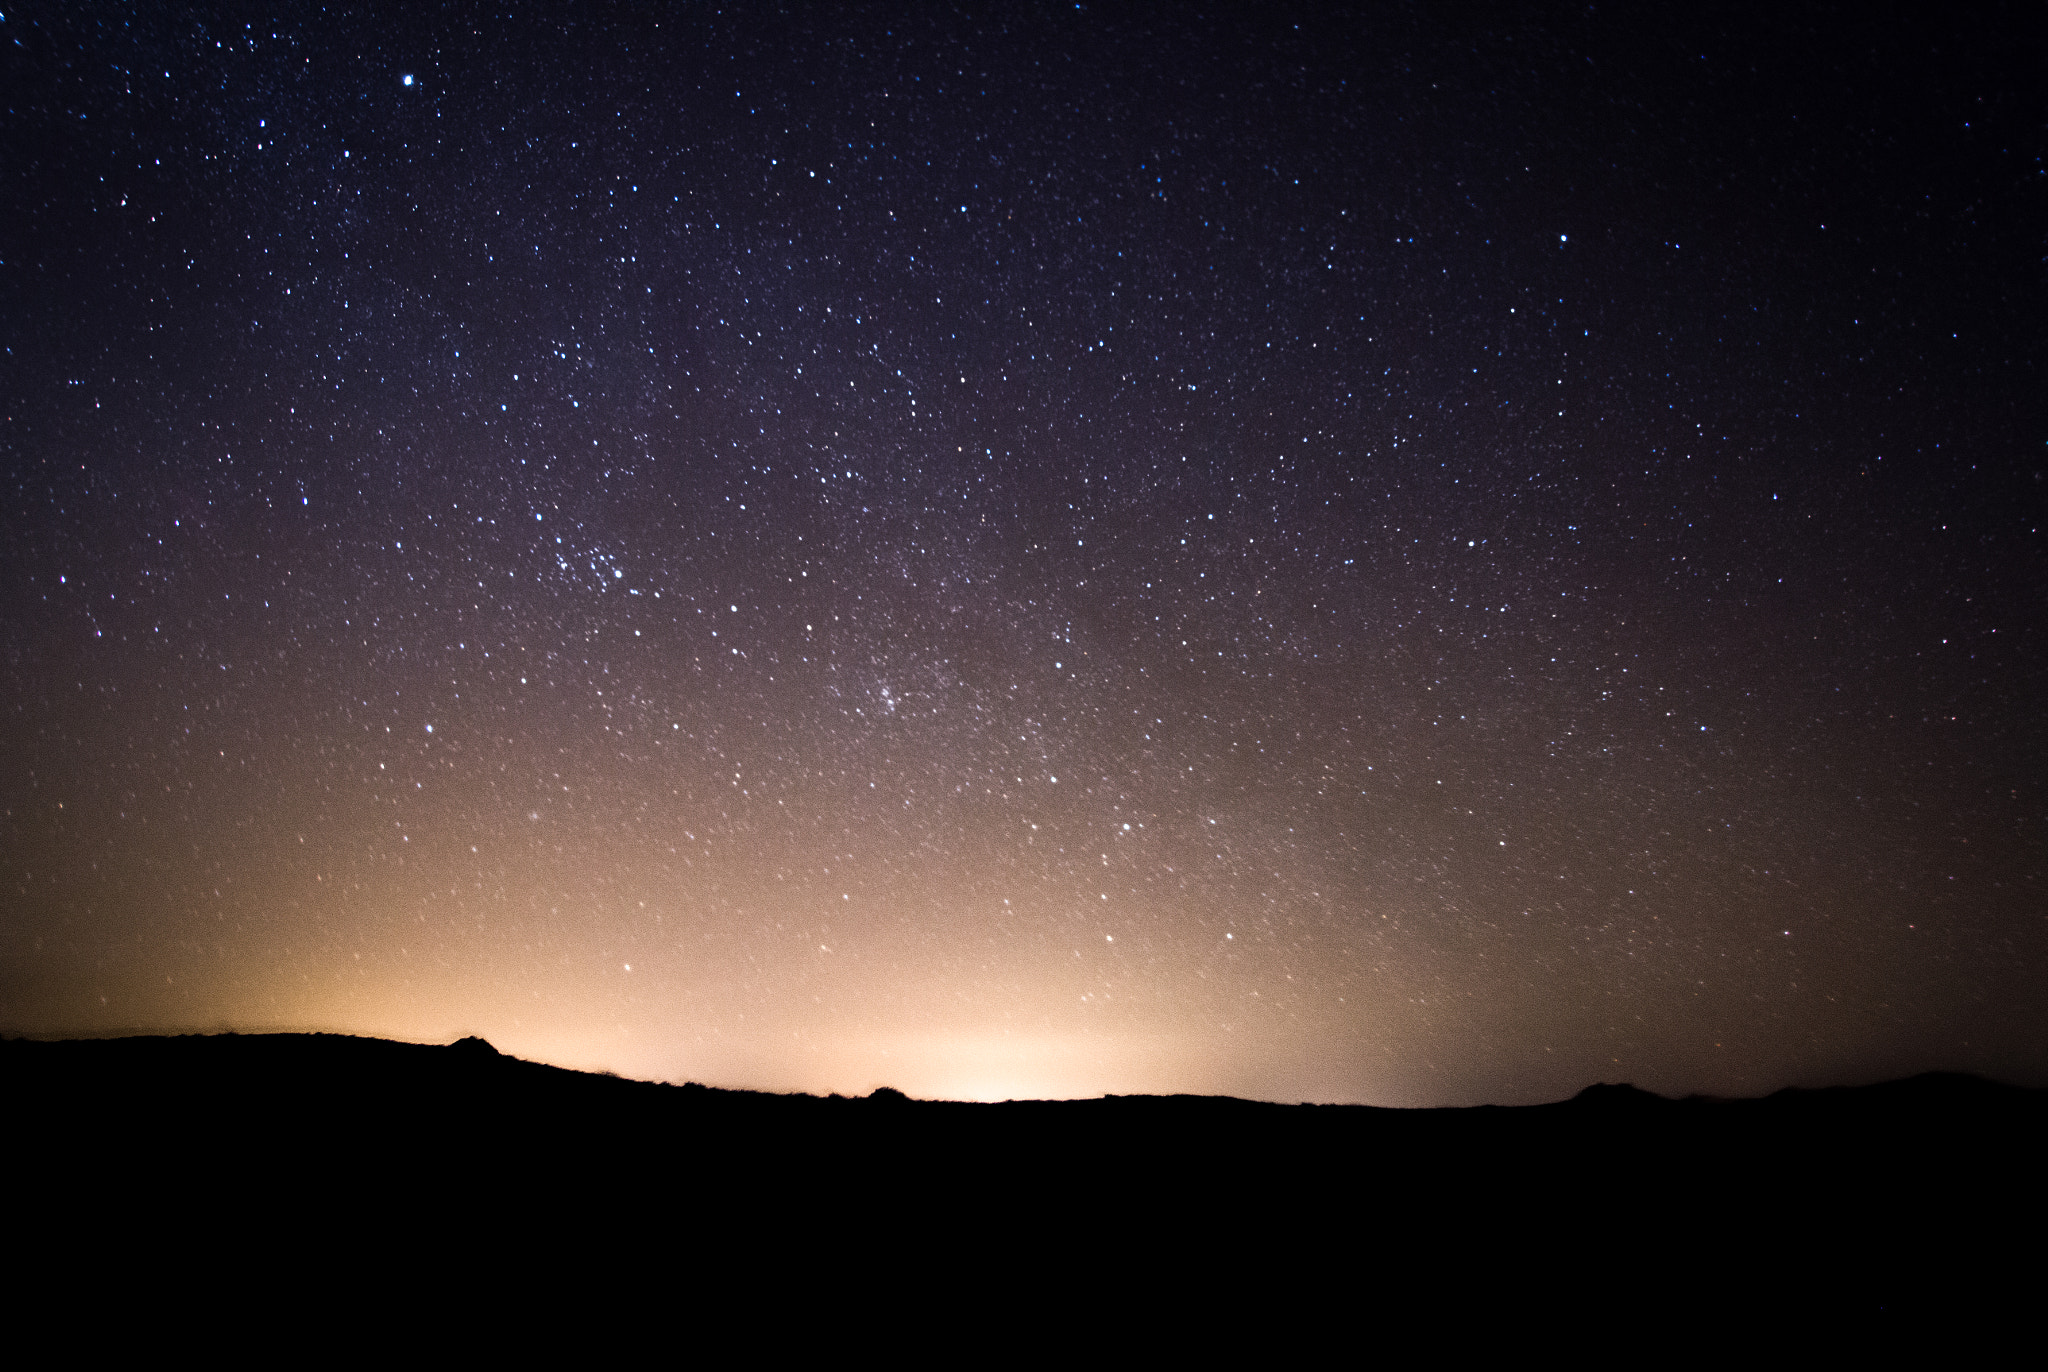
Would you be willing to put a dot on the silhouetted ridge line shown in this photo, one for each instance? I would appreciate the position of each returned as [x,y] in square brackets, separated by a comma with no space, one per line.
[287,1064]
[1867,1191]
[1619,1096]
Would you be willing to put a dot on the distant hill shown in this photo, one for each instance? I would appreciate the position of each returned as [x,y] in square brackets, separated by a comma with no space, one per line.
[293,1064]
[1879,1197]
[330,1088]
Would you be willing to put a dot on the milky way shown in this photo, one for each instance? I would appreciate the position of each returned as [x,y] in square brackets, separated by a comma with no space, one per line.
[1033,552]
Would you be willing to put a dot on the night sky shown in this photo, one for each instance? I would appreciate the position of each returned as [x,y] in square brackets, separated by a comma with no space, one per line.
[1394,556]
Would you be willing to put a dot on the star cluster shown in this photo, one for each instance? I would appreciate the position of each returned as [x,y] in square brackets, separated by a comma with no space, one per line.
[1032,551]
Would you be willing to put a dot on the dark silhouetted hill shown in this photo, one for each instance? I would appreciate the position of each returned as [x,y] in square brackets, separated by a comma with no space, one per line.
[1872,1199]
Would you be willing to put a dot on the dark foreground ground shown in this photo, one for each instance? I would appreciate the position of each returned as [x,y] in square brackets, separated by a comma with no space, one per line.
[274,1154]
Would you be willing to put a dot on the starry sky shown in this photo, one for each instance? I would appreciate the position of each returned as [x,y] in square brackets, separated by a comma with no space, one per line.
[1397,555]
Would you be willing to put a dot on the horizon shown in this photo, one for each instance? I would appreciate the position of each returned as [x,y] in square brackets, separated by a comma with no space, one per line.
[888,1091]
